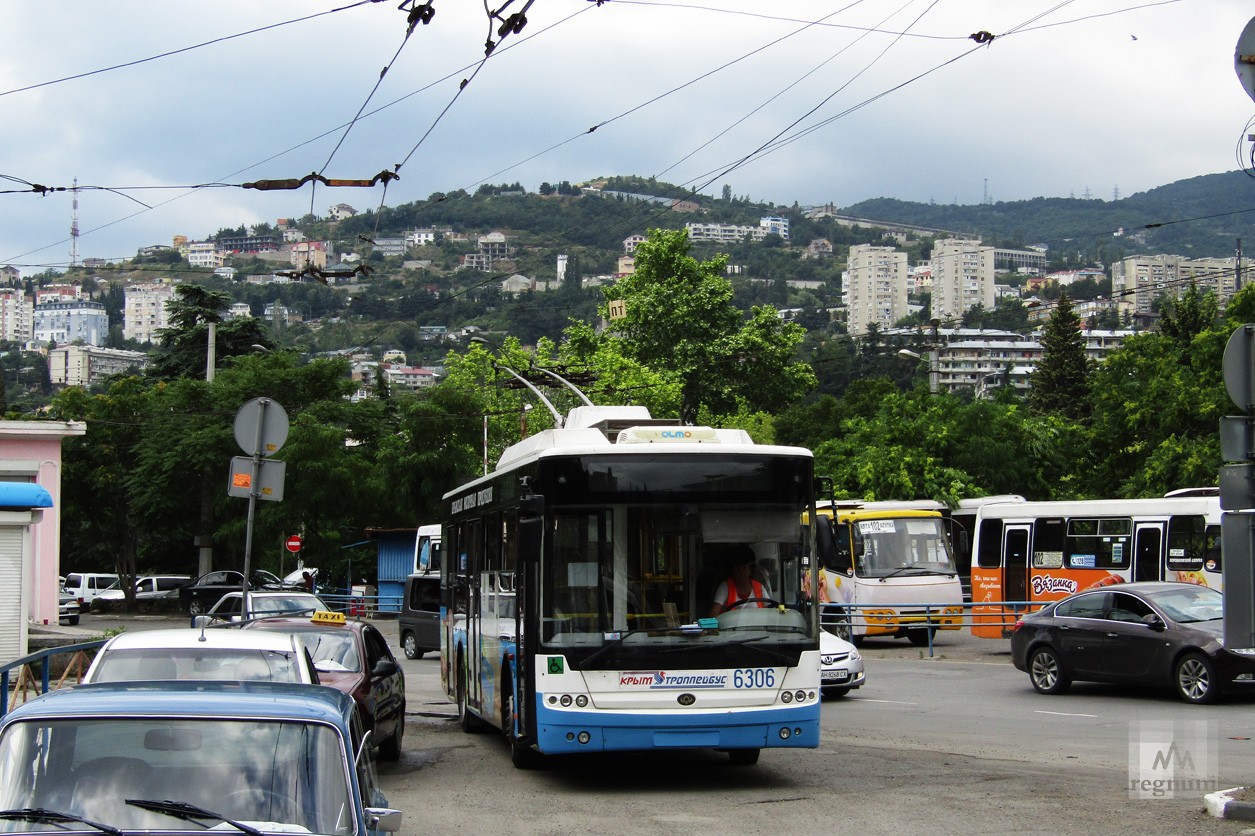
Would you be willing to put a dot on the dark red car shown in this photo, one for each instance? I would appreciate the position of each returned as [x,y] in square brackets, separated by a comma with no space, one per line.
[354,657]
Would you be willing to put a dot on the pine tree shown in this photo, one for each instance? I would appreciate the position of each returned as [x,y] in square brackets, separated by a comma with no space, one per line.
[1061,380]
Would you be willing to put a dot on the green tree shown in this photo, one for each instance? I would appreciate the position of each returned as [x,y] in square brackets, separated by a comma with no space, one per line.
[680,317]
[184,346]
[1060,383]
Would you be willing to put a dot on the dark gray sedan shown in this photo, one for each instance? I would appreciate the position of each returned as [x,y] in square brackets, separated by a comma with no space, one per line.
[1151,633]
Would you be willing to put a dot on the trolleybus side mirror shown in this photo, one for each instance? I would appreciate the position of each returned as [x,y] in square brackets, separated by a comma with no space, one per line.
[531,527]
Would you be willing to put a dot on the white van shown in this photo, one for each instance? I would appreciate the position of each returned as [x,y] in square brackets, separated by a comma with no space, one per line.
[149,589]
[85,586]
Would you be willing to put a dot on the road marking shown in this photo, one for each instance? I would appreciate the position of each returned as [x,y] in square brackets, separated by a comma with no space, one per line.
[1065,714]
[891,702]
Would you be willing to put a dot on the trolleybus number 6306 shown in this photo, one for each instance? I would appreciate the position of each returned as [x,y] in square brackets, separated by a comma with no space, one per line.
[754,678]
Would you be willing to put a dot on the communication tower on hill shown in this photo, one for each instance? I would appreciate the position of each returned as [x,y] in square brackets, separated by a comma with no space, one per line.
[74,225]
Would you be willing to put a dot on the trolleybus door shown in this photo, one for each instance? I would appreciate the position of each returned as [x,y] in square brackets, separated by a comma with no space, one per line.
[1148,552]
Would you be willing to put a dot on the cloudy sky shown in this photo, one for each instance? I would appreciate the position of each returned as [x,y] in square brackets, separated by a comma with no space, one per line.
[789,101]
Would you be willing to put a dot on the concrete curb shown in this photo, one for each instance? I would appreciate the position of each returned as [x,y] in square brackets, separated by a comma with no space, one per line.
[1223,805]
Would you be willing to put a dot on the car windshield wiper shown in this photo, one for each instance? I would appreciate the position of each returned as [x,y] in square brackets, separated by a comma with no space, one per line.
[43,816]
[189,812]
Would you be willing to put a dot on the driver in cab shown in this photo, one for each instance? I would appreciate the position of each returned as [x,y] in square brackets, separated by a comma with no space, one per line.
[741,586]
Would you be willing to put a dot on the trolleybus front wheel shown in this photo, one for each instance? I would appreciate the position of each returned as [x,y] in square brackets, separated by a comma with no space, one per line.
[743,757]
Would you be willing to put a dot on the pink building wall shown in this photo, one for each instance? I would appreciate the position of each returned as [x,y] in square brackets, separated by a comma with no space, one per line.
[30,451]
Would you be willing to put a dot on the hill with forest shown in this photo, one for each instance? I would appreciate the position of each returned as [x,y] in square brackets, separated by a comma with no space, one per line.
[1199,217]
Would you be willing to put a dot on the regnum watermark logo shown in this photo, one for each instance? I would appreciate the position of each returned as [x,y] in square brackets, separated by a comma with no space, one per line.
[1166,758]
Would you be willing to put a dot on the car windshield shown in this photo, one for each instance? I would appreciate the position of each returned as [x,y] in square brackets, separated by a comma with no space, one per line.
[254,771]
[275,604]
[164,663]
[1190,604]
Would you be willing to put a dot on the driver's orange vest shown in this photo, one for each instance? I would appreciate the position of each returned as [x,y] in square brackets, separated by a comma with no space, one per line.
[756,591]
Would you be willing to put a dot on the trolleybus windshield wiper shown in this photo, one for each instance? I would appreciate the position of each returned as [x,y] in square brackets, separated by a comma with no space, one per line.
[190,812]
[39,815]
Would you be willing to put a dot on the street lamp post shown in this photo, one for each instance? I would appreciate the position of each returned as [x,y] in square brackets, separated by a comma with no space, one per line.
[934,358]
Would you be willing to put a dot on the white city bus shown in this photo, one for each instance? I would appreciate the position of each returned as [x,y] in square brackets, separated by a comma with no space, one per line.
[1030,553]
[579,585]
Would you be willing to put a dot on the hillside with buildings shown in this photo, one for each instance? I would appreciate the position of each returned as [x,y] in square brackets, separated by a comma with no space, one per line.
[415,280]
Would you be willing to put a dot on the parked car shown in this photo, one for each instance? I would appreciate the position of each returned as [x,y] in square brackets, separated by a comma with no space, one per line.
[841,666]
[197,597]
[87,585]
[68,609]
[261,605]
[1146,633]
[183,757]
[419,622]
[353,657]
[219,654]
[150,590]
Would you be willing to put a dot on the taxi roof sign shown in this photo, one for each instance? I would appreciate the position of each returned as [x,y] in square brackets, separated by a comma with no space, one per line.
[325,617]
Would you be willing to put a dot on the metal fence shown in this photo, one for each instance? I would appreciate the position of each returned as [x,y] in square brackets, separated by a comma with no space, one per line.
[27,681]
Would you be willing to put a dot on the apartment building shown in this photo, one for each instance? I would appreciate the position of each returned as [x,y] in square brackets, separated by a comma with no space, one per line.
[724,233]
[85,365]
[144,312]
[1137,281]
[17,315]
[875,287]
[962,277]
[68,322]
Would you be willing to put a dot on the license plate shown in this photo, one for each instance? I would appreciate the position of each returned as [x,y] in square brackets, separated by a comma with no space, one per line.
[836,676]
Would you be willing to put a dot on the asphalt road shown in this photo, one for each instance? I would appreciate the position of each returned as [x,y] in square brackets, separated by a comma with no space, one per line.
[955,743]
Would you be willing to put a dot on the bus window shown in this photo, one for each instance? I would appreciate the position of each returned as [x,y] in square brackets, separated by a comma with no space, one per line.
[1099,543]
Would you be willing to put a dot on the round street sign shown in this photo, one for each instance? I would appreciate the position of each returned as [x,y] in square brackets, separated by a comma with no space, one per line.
[261,426]
[294,543]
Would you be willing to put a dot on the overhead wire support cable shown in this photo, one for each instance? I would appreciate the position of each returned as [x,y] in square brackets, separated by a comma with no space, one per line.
[181,50]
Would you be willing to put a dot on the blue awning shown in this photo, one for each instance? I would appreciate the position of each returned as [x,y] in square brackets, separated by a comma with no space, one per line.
[24,495]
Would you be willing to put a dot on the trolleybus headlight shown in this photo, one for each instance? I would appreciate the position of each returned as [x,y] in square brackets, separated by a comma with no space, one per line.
[584,737]
[553,700]
[566,701]
[581,701]
[800,696]
[786,697]
[784,734]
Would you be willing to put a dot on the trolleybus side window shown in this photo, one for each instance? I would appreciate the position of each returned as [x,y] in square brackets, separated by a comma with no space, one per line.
[1048,537]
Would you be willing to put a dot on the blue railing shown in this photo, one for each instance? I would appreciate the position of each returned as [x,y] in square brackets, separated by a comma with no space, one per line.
[998,614]
[44,659]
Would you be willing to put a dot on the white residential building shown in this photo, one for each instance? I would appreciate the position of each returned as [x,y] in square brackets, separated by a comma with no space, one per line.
[68,322]
[407,377]
[17,315]
[724,233]
[775,226]
[203,254]
[420,237]
[875,287]
[85,365]
[1138,281]
[145,311]
[962,277]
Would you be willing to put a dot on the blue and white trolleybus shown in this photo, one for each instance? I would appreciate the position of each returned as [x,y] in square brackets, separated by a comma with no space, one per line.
[584,591]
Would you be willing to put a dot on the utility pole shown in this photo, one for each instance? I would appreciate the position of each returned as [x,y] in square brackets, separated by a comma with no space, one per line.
[74,224]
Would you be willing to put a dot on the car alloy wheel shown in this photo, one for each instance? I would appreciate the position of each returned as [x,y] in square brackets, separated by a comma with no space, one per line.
[1195,679]
[1046,672]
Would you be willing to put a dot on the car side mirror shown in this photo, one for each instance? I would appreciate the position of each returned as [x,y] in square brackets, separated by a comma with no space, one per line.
[385,667]
[201,621]
[1154,622]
